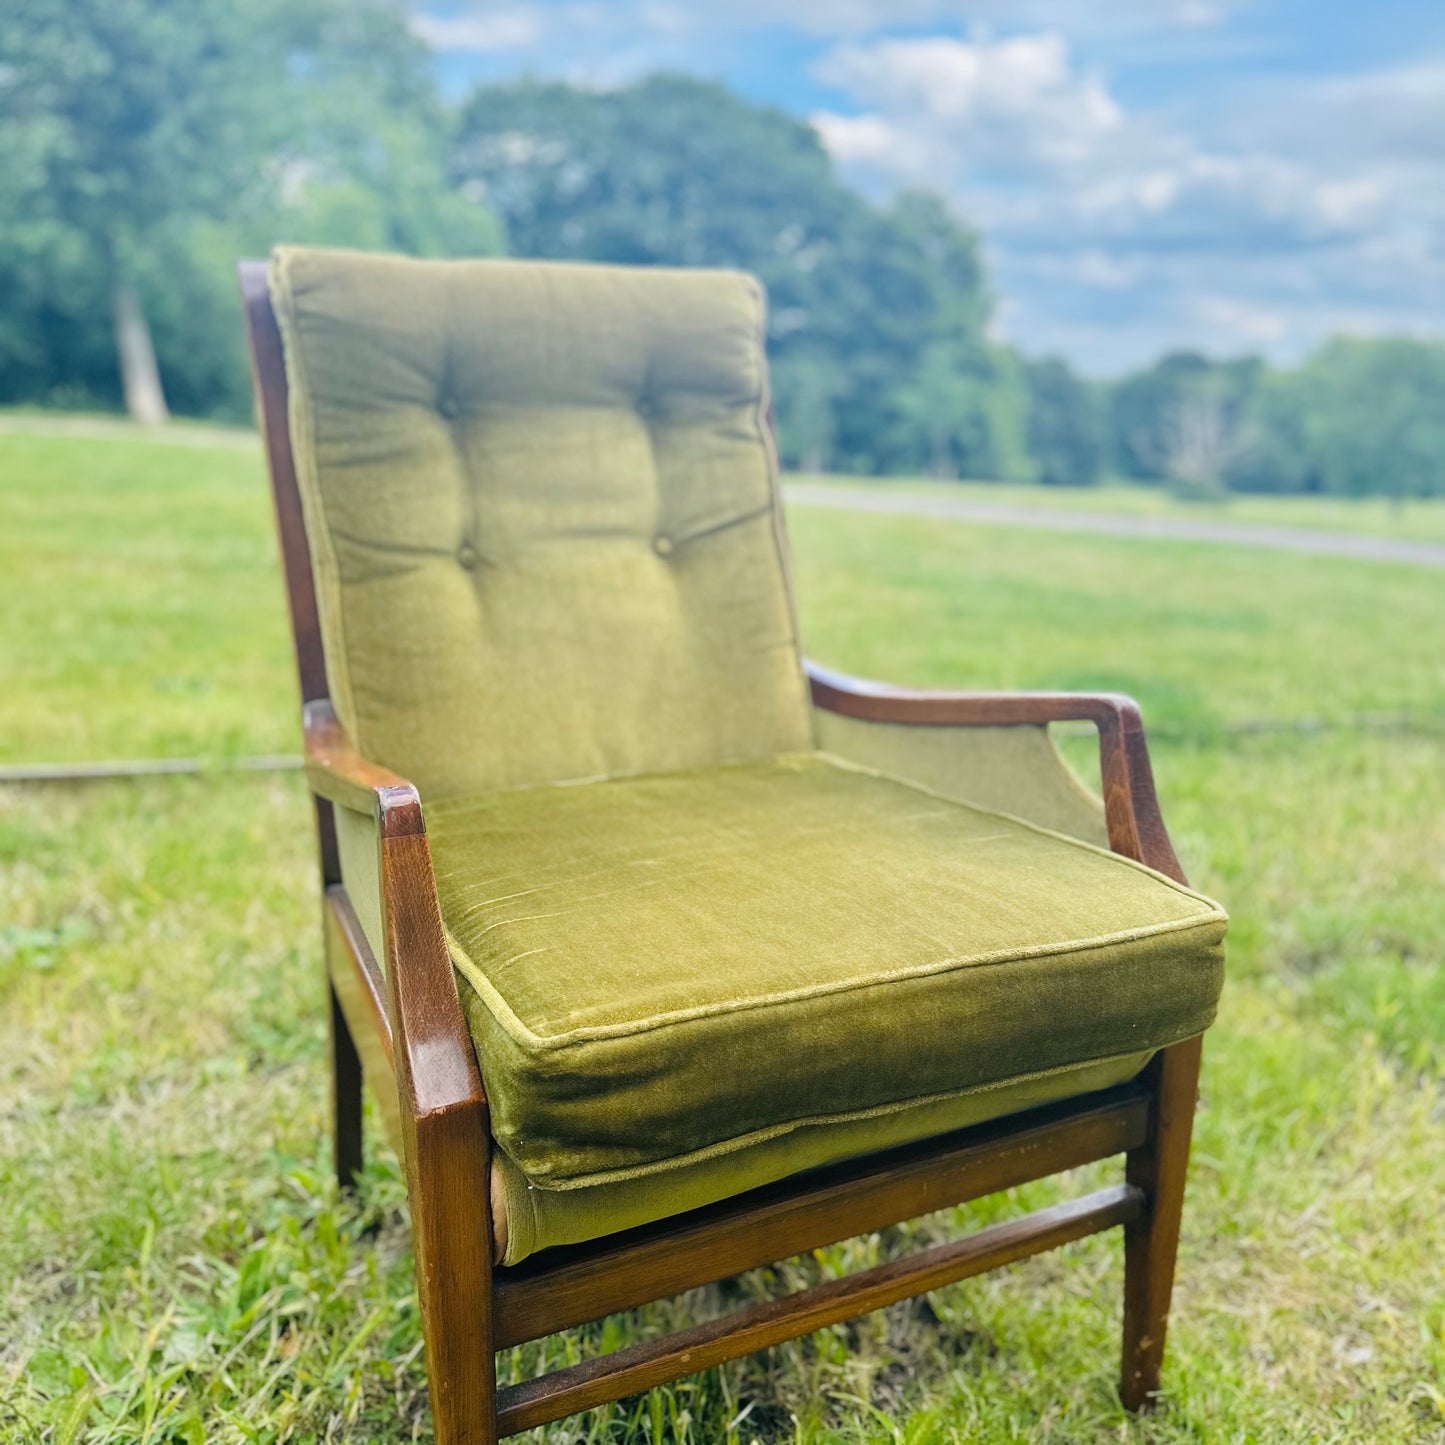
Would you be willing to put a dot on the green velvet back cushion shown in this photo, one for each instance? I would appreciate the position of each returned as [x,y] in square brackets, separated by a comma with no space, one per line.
[542,507]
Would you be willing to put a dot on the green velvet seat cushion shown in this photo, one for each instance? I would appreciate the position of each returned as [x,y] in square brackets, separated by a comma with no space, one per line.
[663,969]
[527,1219]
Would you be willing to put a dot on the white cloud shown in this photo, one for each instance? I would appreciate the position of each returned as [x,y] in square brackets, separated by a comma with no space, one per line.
[1253,325]
[1016,102]
[591,43]
[1198,14]
[1396,115]
[667,19]
[1097,269]
[1350,203]
[487,32]
[1021,136]
[1094,18]
[869,142]
[1119,229]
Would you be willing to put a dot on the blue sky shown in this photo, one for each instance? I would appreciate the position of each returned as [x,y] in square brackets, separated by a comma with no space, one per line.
[1230,175]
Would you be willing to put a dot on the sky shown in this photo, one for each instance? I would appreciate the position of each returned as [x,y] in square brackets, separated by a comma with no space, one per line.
[1224,175]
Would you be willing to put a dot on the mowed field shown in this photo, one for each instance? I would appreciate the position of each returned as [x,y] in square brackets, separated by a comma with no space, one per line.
[175,1265]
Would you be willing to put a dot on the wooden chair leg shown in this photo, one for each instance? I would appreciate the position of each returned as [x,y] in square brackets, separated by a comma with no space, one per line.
[346,1084]
[452,1233]
[1158,1167]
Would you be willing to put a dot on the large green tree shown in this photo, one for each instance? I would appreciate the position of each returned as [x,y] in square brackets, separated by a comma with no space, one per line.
[138,132]
[1372,417]
[1066,424]
[876,318]
[1360,416]
[1186,419]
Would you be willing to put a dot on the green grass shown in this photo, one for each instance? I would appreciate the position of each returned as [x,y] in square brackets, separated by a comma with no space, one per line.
[174,1264]
[139,590]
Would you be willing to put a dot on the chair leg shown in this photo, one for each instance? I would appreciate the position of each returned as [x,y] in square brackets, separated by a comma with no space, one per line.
[346,1084]
[452,1232]
[1158,1167]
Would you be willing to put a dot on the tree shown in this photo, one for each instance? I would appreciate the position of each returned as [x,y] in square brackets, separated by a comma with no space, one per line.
[1202,442]
[137,122]
[1066,424]
[876,318]
[1373,417]
[946,400]
[1166,417]
[806,383]
[1279,457]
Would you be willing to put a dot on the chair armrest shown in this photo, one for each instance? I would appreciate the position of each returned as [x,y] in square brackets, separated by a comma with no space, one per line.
[1131,804]
[338,773]
[436,1062]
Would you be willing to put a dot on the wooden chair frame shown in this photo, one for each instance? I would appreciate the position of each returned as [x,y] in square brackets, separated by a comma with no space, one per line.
[401,1027]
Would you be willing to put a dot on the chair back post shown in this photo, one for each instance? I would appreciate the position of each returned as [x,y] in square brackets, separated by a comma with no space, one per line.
[268,373]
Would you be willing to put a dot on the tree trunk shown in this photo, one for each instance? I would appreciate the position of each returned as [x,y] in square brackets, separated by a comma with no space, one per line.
[944,469]
[140,376]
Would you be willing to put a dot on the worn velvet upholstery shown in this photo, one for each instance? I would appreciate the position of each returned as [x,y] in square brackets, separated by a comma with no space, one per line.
[543,515]
[685,963]
[528,1218]
[1007,769]
[697,947]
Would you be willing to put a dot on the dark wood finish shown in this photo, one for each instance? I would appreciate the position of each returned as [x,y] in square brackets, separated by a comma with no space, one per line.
[654,1362]
[361,982]
[402,1027]
[444,1128]
[1131,804]
[268,377]
[339,774]
[345,1098]
[1157,1168]
[360,990]
[560,1288]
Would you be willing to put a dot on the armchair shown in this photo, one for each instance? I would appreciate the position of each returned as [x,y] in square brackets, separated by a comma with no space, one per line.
[744,965]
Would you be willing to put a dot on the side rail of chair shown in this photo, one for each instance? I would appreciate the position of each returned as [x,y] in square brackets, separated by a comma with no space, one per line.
[444,1120]
[426,1012]
[1131,804]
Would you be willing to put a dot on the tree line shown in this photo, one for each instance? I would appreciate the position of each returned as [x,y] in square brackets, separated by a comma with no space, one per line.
[150,145]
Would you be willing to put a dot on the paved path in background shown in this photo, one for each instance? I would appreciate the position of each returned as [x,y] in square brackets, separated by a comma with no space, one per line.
[1114,524]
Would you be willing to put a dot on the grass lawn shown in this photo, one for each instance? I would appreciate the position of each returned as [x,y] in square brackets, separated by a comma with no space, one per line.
[173,1262]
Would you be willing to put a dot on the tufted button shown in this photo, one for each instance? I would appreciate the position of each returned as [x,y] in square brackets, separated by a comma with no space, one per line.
[662,545]
[467,556]
[448,407]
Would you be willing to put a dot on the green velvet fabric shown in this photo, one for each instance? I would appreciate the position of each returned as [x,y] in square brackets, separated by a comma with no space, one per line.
[542,506]
[662,969]
[531,1219]
[358,849]
[1015,770]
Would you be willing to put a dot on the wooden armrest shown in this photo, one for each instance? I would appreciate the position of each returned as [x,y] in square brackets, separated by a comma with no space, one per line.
[1131,804]
[337,772]
[437,1071]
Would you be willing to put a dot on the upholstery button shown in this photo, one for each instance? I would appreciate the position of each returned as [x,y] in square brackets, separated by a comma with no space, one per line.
[448,407]
[467,556]
[662,546]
